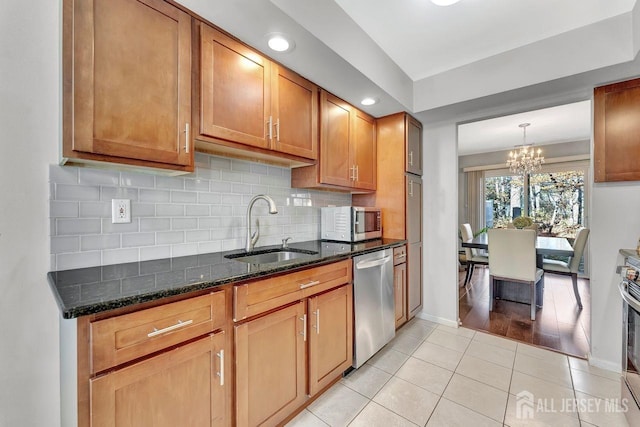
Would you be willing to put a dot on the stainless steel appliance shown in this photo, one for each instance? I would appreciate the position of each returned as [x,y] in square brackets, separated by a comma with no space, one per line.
[630,290]
[373,304]
[350,223]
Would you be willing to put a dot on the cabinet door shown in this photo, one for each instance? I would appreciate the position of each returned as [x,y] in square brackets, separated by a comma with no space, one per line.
[171,389]
[616,114]
[414,278]
[363,150]
[271,366]
[335,165]
[131,82]
[413,137]
[414,208]
[295,114]
[234,90]
[400,293]
[330,336]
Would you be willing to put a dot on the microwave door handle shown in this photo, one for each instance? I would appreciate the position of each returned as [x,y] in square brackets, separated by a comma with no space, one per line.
[628,298]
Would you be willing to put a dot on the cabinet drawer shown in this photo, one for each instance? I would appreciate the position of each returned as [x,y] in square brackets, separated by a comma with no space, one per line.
[260,296]
[399,255]
[123,338]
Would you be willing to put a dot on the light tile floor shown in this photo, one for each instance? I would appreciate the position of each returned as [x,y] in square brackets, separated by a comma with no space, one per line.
[433,375]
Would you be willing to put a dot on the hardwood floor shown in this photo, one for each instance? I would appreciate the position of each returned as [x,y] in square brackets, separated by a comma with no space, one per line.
[559,324]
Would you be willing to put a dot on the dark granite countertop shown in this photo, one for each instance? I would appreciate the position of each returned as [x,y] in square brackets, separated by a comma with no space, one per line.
[93,290]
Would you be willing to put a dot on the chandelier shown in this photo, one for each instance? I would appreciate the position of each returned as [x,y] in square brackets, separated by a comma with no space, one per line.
[525,160]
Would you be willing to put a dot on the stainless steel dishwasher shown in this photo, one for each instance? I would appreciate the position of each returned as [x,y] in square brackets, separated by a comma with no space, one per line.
[373,304]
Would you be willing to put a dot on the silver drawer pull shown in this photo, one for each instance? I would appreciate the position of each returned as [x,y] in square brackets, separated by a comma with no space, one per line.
[178,325]
[310,284]
[401,256]
[221,373]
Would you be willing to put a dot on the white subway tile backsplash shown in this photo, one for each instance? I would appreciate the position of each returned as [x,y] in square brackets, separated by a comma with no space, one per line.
[77,192]
[198,210]
[174,216]
[69,261]
[196,184]
[155,252]
[169,237]
[95,209]
[77,226]
[89,176]
[184,250]
[63,209]
[184,197]
[154,196]
[172,182]
[108,193]
[99,242]
[118,256]
[170,210]
[138,180]
[184,223]
[63,175]
[138,239]
[62,244]
[155,224]
[108,227]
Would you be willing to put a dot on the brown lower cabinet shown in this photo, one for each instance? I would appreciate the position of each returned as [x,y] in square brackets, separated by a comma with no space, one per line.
[400,284]
[277,352]
[293,338]
[184,386]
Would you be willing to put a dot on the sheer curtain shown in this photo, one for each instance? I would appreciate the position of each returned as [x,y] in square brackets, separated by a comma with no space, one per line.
[475,200]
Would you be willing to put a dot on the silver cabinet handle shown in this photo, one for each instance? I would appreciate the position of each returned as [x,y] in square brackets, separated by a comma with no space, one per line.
[401,256]
[357,173]
[375,263]
[352,173]
[277,125]
[269,128]
[304,327]
[178,325]
[317,326]
[186,138]
[410,158]
[410,188]
[220,374]
[310,284]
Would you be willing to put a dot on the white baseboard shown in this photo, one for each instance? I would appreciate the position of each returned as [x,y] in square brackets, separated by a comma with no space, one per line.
[604,364]
[439,320]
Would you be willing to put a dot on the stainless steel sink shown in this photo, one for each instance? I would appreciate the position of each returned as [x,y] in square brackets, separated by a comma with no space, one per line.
[271,256]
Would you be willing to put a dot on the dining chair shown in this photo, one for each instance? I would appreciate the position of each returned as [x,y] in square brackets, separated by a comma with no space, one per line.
[570,268]
[472,255]
[512,257]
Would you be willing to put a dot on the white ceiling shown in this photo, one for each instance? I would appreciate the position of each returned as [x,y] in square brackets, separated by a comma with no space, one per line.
[564,123]
[462,63]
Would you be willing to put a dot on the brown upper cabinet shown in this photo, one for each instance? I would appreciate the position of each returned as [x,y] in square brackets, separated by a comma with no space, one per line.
[617,131]
[127,83]
[252,105]
[347,150]
[413,149]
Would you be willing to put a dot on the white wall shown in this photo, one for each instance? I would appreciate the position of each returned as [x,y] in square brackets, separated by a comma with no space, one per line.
[440,229]
[615,224]
[30,130]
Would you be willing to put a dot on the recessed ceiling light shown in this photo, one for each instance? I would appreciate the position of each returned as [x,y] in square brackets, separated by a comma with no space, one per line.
[280,42]
[369,101]
[444,2]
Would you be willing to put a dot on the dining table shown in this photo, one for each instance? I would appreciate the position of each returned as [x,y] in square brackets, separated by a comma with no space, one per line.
[545,246]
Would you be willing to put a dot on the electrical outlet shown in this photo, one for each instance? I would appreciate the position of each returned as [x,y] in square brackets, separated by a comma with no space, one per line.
[120,211]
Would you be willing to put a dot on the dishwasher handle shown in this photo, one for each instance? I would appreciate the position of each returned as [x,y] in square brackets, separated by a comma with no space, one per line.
[370,264]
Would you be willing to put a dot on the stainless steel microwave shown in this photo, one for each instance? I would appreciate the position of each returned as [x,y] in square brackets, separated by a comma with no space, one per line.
[350,223]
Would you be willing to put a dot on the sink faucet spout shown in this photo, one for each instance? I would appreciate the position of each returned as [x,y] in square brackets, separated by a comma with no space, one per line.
[252,239]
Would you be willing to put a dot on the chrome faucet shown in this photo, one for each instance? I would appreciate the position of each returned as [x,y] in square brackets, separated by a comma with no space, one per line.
[252,239]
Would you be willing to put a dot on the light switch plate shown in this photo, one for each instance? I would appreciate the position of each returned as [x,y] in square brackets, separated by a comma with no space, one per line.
[120,211]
